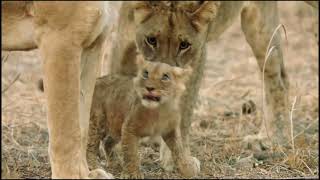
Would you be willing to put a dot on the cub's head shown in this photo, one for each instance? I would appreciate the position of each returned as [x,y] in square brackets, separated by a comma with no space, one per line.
[173,32]
[159,83]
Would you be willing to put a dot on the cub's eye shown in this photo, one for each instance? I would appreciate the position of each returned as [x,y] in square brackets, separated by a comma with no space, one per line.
[184,45]
[152,40]
[145,74]
[165,77]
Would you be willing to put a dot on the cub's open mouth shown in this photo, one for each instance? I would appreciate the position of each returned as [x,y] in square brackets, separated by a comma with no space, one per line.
[151,97]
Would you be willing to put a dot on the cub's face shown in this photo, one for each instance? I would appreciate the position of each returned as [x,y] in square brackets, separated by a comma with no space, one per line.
[159,83]
[173,34]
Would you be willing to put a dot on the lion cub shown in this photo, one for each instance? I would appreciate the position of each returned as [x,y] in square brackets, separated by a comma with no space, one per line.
[128,109]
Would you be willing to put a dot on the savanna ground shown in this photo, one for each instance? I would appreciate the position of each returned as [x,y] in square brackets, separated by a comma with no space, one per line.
[231,79]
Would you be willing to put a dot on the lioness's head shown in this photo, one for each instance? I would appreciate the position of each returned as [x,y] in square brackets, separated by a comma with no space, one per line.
[159,83]
[172,32]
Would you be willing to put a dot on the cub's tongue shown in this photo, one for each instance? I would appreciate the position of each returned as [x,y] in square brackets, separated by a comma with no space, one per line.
[151,97]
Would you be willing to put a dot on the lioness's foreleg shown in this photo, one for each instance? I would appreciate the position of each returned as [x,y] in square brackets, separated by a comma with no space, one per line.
[71,56]
[258,21]
[62,87]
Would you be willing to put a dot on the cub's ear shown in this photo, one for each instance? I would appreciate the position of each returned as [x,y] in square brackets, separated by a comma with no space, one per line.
[140,61]
[182,73]
[142,10]
[187,71]
[204,14]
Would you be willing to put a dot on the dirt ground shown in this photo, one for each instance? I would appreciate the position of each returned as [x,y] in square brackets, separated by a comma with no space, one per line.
[231,79]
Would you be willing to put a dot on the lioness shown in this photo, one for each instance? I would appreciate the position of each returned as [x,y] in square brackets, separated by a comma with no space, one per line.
[127,109]
[177,33]
[70,37]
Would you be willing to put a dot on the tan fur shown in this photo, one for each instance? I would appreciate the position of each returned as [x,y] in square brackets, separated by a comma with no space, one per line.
[120,111]
[70,37]
[170,23]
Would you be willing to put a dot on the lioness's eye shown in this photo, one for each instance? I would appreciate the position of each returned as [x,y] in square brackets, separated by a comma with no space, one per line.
[152,40]
[145,74]
[184,45]
[165,77]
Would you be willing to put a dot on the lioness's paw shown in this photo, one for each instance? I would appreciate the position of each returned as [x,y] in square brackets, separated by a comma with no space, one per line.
[100,174]
[190,167]
[134,175]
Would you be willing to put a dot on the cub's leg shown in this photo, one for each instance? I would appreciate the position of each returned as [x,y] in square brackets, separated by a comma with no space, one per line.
[113,152]
[130,154]
[188,166]
[96,133]
[166,157]
[258,21]
[109,142]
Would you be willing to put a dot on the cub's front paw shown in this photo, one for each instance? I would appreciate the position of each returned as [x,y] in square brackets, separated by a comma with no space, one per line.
[166,161]
[167,164]
[134,175]
[189,167]
[197,163]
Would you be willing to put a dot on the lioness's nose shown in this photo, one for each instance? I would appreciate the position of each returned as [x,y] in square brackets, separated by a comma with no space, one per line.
[150,89]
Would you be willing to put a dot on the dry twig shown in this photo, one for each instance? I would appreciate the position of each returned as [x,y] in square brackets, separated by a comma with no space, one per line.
[268,53]
[291,123]
[10,84]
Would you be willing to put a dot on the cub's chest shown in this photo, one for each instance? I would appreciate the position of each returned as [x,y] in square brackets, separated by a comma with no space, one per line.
[156,122]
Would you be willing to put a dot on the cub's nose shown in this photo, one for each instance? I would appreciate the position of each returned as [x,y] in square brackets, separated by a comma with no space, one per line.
[150,89]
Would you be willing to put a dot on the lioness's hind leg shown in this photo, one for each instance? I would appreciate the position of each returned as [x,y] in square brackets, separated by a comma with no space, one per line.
[258,21]
[91,58]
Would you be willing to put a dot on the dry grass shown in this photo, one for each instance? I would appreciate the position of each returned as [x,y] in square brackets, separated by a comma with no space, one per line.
[231,79]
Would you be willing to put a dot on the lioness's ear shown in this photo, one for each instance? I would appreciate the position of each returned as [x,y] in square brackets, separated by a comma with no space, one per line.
[142,11]
[204,14]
